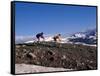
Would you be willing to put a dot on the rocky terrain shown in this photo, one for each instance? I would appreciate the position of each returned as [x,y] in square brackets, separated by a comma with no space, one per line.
[57,55]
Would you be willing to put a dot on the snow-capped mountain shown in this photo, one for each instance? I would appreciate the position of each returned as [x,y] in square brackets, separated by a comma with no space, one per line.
[87,33]
[87,37]
[79,35]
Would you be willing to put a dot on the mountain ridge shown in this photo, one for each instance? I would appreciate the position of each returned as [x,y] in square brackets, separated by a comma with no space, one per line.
[86,37]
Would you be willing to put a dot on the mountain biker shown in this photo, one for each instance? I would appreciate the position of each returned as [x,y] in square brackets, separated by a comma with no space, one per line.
[57,38]
[40,35]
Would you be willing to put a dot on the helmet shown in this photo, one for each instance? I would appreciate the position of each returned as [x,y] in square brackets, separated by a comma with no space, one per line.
[59,34]
[42,33]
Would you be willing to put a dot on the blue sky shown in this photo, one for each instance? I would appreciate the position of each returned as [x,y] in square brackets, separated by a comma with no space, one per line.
[31,19]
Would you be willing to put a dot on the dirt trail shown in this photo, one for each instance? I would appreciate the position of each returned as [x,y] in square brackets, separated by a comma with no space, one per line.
[26,68]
